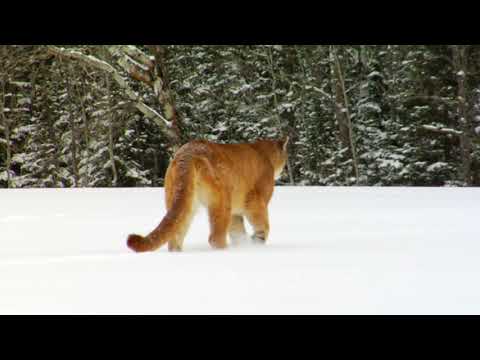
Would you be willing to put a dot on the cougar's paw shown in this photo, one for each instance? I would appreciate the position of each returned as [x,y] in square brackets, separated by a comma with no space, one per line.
[258,239]
[138,243]
[218,244]
[238,240]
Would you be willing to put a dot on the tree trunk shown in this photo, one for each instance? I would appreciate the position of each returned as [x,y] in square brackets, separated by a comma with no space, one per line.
[153,72]
[81,95]
[275,103]
[342,110]
[53,158]
[460,61]
[73,129]
[161,87]
[48,118]
[6,125]
[110,134]
[301,61]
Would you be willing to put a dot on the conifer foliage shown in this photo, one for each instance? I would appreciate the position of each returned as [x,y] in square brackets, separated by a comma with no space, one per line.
[112,116]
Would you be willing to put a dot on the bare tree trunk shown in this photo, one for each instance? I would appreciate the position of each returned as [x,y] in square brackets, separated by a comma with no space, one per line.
[48,118]
[54,156]
[342,110]
[6,125]
[275,102]
[161,87]
[460,62]
[81,94]
[73,129]
[33,92]
[110,134]
[301,61]
[153,72]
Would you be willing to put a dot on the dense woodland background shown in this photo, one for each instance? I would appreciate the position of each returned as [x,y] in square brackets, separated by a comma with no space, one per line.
[101,116]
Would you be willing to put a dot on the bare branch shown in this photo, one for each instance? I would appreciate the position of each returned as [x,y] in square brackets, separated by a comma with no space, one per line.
[145,61]
[328,96]
[441,130]
[135,69]
[104,66]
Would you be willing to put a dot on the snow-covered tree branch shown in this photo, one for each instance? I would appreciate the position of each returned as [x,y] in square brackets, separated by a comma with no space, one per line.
[104,66]
[441,130]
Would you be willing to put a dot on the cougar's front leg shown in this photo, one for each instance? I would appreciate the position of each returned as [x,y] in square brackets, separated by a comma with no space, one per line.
[257,216]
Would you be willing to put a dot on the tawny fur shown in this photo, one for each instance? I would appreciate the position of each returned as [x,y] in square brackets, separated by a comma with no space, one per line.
[232,180]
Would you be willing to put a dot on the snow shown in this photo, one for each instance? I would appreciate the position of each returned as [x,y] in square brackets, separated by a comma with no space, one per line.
[370,106]
[374,74]
[437,166]
[331,251]
[383,163]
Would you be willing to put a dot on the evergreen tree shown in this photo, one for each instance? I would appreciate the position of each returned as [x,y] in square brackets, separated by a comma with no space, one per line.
[109,115]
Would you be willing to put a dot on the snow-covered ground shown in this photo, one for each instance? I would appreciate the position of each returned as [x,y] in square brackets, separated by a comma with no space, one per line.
[331,251]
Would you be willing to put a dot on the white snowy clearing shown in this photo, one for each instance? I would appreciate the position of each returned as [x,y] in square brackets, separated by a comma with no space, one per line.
[331,251]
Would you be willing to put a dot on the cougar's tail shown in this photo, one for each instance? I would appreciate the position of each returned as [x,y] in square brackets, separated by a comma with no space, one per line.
[180,193]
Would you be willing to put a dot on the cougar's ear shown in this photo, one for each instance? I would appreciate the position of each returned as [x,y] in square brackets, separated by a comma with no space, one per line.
[284,143]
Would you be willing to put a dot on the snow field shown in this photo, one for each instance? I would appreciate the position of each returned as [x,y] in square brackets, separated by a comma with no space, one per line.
[331,251]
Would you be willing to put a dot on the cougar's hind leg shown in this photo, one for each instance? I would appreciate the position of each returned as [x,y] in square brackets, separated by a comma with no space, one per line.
[219,213]
[175,243]
[237,230]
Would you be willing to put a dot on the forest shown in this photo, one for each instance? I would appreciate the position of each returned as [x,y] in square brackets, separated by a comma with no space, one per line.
[357,115]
